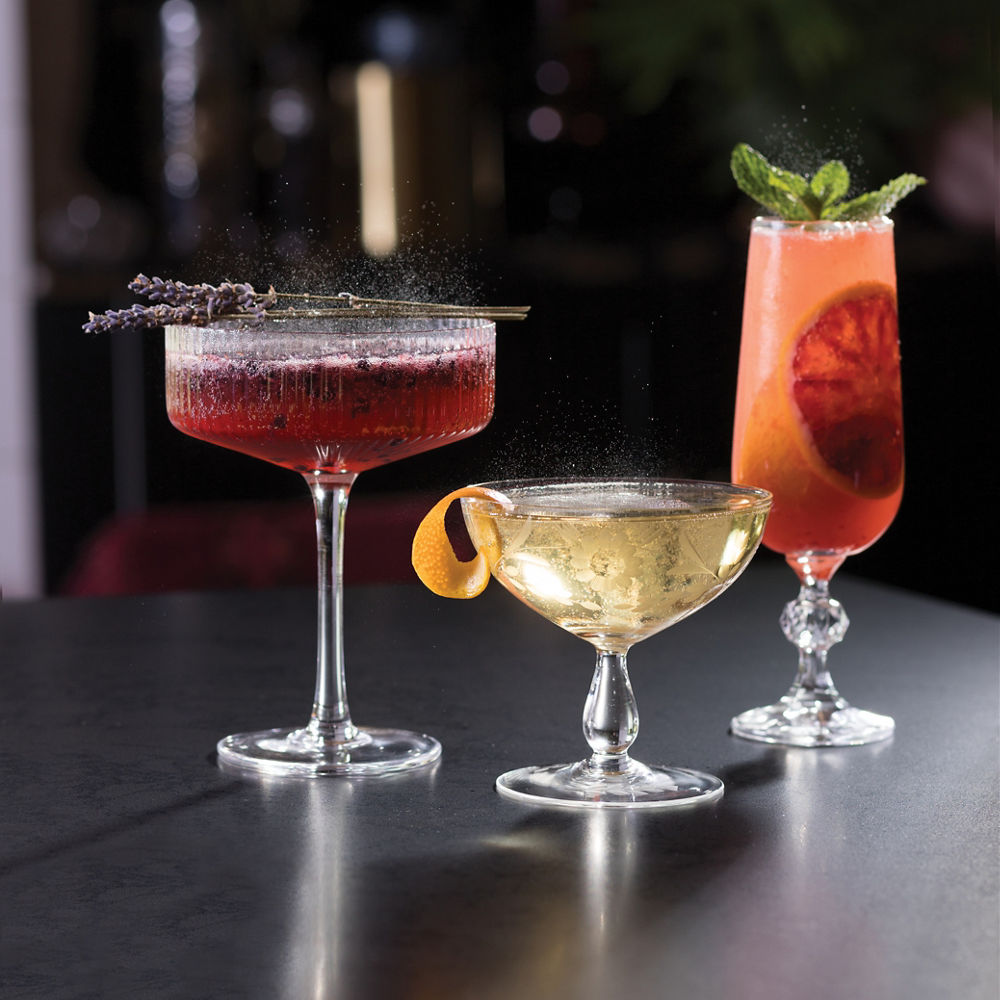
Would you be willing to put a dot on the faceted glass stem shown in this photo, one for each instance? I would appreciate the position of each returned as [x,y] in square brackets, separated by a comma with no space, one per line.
[814,622]
[813,713]
[330,721]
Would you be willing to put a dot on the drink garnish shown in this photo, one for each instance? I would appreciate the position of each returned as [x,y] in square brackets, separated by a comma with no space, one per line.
[434,559]
[795,198]
[837,404]
[845,384]
[175,303]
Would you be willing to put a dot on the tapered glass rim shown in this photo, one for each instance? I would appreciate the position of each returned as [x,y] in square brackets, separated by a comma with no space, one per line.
[713,497]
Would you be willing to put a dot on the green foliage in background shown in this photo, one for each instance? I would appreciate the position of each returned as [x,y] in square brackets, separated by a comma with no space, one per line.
[873,69]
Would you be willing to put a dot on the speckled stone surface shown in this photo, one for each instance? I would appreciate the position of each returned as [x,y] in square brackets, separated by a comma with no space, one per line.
[132,867]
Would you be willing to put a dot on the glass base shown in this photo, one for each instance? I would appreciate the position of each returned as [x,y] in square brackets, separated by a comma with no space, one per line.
[637,786]
[298,752]
[803,724]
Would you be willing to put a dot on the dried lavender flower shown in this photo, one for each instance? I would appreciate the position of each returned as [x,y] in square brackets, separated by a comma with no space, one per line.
[174,302]
[177,302]
[144,317]
[217,299]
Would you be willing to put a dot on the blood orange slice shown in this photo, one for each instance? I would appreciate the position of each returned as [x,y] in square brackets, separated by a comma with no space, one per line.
[434,559]
[845,384]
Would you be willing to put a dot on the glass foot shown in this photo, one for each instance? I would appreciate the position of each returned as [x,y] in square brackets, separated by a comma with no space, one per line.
[299,752]
[804,724]
[634,787]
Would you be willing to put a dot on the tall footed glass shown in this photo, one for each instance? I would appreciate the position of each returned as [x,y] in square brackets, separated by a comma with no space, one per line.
[819,424]
[329,397]
[614,562]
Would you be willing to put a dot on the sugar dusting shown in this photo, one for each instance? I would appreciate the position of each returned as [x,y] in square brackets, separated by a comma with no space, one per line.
[578,435]
[805,142]
[425,268]
[584,438]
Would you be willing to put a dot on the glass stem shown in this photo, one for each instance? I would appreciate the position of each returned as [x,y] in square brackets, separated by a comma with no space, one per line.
[331,718]
[814,622]
[610,716]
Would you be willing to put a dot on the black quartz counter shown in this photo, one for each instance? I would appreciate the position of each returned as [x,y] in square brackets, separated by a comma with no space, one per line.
[133,867]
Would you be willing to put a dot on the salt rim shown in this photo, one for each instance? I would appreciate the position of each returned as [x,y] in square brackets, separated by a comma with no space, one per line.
[774,223]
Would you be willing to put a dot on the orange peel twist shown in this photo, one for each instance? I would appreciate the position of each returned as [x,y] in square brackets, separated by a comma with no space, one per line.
[434,559]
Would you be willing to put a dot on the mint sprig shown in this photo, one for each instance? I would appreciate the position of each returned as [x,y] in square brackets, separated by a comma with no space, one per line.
[791,196]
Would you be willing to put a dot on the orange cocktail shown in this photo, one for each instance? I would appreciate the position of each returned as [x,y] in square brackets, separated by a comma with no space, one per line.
[818,404]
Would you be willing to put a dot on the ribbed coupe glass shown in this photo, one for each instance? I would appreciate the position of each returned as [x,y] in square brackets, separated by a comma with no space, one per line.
[329,397]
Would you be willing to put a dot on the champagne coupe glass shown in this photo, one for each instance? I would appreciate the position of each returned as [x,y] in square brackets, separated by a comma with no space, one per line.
[329,397]
[614,562]
[819,424]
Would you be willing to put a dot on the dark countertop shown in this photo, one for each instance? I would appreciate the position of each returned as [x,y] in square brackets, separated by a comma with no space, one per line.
[132,867]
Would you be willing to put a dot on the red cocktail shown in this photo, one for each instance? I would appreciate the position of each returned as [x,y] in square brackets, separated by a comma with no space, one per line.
[334,414]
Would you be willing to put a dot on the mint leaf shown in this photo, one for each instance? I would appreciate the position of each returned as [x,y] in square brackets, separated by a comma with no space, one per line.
[787,204]
[830,182]
[780,191]
[753,176]
[791,196]
[795,184]
[806,206]
[876,203]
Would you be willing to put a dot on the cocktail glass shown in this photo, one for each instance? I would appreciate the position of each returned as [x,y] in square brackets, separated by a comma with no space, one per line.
[819,424]
[614,562]
[330,397]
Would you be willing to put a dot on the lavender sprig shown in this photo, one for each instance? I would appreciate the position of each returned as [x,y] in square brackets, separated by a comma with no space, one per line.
[144,317]
[216,299]
[175,303]
[178,303]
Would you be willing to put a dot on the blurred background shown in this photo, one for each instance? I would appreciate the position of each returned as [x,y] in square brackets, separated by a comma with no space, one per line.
[565,154]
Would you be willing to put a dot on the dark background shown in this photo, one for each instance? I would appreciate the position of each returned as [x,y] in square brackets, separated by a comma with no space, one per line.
[624,232]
